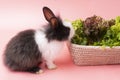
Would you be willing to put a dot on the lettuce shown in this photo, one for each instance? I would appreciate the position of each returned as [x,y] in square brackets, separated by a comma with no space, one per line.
[79,37]
[104,32]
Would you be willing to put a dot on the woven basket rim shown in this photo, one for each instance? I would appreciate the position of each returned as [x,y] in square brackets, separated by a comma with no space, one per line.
[89,46]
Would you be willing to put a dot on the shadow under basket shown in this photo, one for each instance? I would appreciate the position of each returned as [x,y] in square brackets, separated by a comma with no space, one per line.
[95,55]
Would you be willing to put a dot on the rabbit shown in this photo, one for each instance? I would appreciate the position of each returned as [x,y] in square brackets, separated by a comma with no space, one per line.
[29,48]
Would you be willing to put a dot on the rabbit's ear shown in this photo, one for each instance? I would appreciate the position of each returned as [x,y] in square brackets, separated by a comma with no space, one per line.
[48,13]
[54,22]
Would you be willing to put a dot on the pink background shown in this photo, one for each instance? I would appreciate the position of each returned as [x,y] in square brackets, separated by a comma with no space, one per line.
[17,15]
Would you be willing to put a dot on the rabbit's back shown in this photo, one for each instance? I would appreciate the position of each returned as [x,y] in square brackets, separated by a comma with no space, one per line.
[22,51]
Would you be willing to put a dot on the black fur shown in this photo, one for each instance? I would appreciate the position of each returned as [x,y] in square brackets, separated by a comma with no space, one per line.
[22,52]
[59,33]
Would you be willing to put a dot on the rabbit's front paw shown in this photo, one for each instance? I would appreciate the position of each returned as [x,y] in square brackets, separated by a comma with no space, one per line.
[52,66]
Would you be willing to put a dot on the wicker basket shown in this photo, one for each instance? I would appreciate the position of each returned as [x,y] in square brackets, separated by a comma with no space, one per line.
[95,55]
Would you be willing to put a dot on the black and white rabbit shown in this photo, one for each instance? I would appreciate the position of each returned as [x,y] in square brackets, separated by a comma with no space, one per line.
[27,49]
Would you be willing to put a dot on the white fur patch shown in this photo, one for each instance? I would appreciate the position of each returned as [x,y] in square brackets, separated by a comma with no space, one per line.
[49,50]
